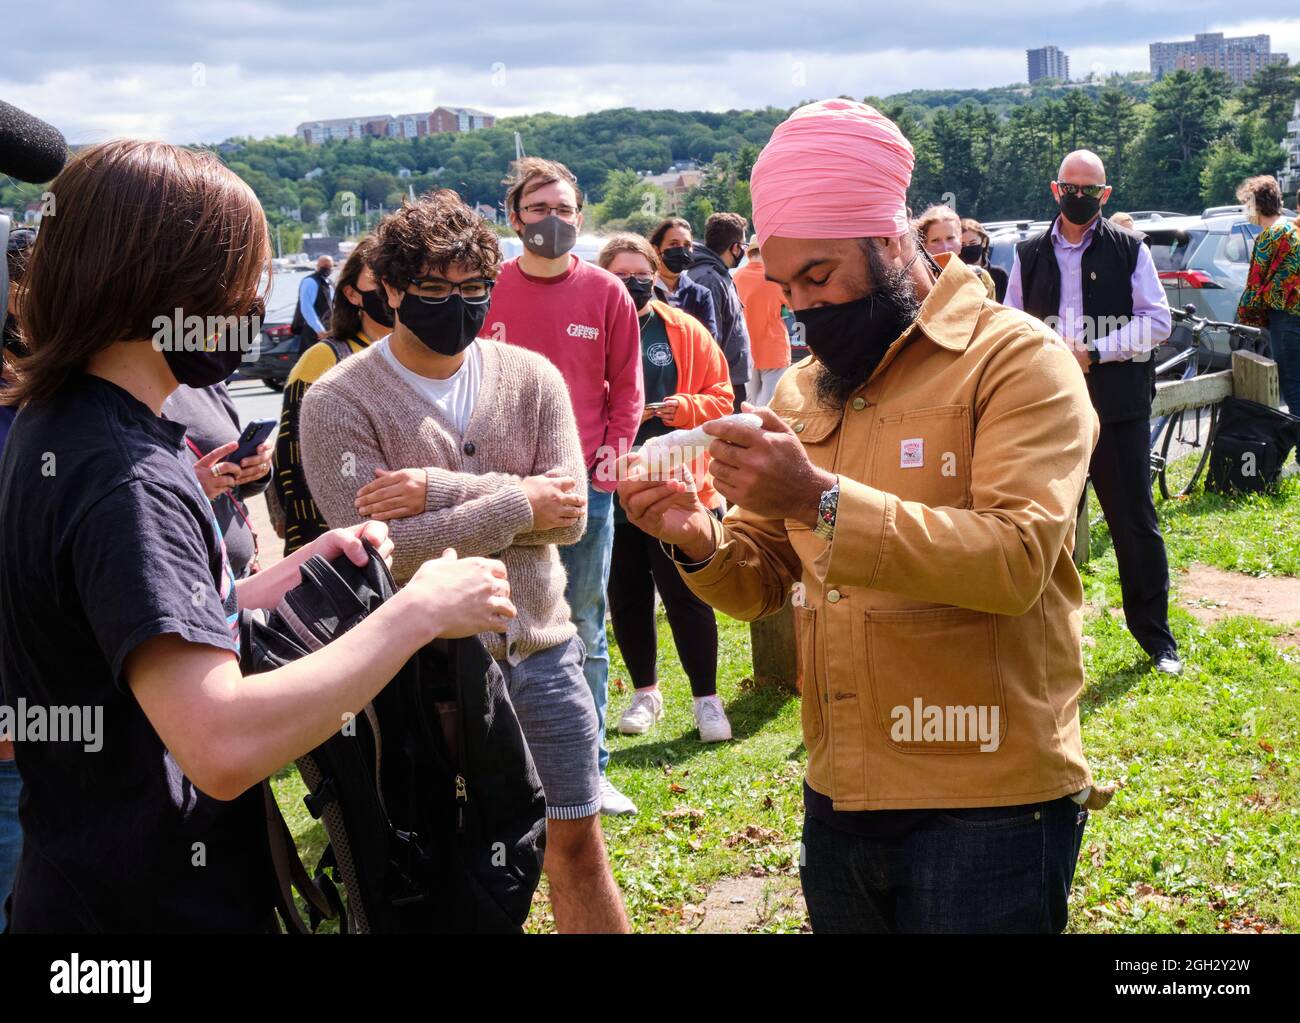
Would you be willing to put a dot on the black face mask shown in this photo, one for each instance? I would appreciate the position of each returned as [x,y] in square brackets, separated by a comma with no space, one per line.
[973,254]
[850,336]
[375,304]
[203,369]
[641,291]
[446,328]
[677,259]
[1079,209]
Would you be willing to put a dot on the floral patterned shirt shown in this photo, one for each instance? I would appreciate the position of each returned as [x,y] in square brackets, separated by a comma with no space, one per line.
[1274,278]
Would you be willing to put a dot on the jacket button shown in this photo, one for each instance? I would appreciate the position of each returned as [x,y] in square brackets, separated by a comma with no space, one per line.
[1093,275]
[859,404]
[833,597]
[798,427]
[469,447]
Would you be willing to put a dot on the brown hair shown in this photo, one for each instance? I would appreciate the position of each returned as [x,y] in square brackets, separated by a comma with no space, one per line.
[971,224]
[534,172]
[627,243]
[345,318]
[432,233]
[657,235]
[1263,193]
[142,229]
[931,216]
[723,230]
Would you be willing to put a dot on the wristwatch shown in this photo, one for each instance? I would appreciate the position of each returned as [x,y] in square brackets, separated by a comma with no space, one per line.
[826,508]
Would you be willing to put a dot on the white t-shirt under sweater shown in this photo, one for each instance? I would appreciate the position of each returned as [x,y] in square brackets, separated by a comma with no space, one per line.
[455,396]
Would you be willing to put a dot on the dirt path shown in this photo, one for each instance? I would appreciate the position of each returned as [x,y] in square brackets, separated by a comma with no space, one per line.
[1211,594]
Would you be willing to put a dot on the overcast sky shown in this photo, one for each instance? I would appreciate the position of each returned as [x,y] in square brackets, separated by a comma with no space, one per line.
[202,72]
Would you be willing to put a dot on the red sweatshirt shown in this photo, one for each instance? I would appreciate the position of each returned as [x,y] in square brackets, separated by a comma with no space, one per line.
[585,323]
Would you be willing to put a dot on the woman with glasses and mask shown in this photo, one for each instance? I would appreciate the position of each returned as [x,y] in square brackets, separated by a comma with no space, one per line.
[117,594]
[687,383]
[673,245]
[360,317]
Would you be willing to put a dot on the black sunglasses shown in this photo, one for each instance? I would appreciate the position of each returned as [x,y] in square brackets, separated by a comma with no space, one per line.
[1091,191]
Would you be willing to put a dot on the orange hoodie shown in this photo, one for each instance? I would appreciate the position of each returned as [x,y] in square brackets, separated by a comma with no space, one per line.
[769,341]
[703,383]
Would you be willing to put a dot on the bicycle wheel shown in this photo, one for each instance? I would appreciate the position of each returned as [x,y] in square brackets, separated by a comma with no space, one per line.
[1185,450]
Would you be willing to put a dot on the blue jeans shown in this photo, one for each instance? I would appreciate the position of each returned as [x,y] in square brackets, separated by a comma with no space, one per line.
[1004,869]
[587,565]
[1284,344]
[11,835]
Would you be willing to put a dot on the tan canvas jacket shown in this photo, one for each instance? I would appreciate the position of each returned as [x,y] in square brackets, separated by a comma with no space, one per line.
[949,583]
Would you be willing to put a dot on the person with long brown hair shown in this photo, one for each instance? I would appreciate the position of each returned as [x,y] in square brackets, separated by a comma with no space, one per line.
[116,598]
[361,317]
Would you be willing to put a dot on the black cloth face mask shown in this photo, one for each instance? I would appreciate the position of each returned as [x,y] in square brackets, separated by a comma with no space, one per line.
[200,369]
[446,328]
[972,254]
[849,337]
[676,259]
[375,304]
[641,291]
[1079,209]
[550,237]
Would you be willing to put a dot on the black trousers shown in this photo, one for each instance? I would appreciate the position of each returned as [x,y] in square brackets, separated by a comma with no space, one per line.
[637,568]
[741,392]
[1121,478]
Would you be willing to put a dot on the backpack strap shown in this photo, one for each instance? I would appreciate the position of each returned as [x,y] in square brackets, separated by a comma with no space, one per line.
[290,873]
[341,349]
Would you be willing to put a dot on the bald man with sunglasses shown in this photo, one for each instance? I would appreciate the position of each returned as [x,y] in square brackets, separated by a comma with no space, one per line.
[1096,285]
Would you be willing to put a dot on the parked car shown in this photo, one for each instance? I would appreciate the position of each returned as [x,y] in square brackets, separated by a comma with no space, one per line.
[1203,261]
[277,347]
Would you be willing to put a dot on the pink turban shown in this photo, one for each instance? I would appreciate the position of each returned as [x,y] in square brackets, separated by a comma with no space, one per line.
[833,169]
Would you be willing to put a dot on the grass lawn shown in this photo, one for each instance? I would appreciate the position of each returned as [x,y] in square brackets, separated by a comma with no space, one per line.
[1203,836]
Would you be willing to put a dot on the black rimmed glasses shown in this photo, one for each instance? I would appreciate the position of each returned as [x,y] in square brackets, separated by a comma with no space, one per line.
[435,291]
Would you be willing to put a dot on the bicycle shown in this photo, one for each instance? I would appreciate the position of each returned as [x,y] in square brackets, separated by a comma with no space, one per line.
[1184,438]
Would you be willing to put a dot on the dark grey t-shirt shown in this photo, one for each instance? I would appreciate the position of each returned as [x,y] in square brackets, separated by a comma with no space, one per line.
[211,419]
[106,541]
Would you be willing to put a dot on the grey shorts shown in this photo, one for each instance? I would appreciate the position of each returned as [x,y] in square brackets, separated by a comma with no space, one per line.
[558,718]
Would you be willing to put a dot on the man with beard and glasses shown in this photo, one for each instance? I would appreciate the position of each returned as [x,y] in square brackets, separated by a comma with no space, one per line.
[913,490]
[1096,285]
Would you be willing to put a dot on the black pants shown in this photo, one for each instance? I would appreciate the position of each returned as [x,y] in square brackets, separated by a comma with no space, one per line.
[1121,477]
[637,568]
[741,391]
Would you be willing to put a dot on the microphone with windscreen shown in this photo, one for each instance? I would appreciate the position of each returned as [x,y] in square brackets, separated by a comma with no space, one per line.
[30,149]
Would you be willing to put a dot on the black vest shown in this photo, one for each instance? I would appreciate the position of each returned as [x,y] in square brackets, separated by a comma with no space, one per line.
[321,305]
[1120,391]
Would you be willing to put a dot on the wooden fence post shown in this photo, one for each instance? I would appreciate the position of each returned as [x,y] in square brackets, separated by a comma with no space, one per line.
[775,650]
[1255,379]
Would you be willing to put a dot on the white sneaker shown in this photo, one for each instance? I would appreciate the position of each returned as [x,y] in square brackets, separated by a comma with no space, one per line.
[613,802]
[712,719]
[646,710]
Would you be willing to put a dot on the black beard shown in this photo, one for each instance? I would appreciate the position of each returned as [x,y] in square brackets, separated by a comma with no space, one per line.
[896,292]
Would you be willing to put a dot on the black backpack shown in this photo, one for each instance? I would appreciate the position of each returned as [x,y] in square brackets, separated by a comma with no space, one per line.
[1251,444]
[432,804]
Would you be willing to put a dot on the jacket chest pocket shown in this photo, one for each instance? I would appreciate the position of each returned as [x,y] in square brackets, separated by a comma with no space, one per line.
[924,455]
[818,432]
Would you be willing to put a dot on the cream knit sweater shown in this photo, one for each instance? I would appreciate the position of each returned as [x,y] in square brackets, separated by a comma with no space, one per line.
[362,414]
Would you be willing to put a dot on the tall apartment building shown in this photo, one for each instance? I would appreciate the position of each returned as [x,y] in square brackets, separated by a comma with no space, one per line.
[1047,62]
[1240,57]
[403,126]
[1289,176]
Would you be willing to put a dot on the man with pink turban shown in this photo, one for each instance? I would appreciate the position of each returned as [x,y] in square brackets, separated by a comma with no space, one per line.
[912,493]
